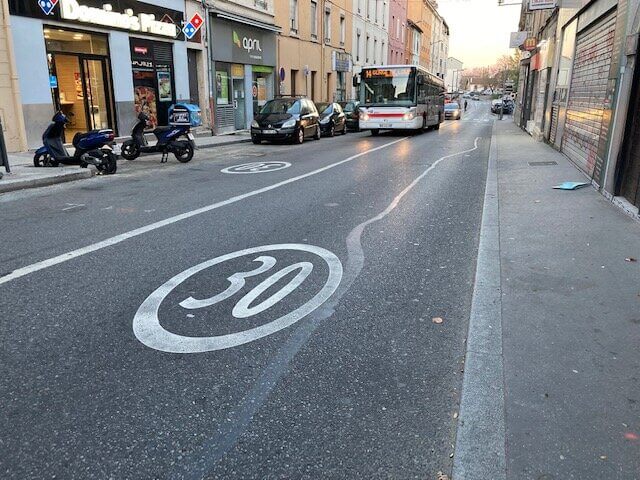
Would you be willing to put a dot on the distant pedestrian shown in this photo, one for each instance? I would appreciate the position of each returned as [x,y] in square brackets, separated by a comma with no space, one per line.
[465,105]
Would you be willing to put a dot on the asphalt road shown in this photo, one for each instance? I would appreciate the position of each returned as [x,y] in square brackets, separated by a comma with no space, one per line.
[175,321]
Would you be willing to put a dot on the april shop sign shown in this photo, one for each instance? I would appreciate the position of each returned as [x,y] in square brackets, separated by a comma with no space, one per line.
[129,15]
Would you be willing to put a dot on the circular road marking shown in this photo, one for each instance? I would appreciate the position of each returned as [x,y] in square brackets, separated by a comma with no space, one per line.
[256,167]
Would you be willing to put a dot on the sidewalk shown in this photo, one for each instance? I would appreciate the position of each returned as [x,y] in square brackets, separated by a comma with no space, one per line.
[24,175]
[565,331]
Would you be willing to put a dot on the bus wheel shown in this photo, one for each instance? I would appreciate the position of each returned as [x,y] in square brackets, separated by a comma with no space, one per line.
[375,132]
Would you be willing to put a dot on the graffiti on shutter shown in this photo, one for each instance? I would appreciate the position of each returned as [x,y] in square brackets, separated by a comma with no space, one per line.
[588,97]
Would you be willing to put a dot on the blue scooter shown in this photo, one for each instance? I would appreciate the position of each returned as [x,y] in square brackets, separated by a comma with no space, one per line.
[169,141]
[91,148]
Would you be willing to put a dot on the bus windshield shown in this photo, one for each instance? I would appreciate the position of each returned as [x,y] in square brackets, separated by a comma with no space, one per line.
[389,87]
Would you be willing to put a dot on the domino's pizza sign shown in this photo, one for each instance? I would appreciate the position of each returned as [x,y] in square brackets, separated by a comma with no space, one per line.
[192,27]
[47,6]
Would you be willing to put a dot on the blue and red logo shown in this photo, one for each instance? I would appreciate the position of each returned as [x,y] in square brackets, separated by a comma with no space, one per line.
[191,28]
[47,6]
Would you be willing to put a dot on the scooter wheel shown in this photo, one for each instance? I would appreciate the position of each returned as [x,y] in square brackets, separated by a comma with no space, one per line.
[130,150]
[44,160]
[110,165]
[184,154]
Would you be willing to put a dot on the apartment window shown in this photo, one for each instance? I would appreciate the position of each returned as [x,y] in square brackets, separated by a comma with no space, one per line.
[343,29]
[314,20]
[358,47]
[382,55]
[359,6]
[375,50]
[393,23]
[327,25]
[384,10]
[375,5]
[294,74]
[402,32]
[398,28]
[368,8]
[366,50]
[293,15]
[261,4]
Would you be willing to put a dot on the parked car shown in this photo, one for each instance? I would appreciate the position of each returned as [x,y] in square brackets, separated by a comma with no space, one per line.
[286,118]
[466,95]
[498,103]
[352,112]
[452,111]
[332,119]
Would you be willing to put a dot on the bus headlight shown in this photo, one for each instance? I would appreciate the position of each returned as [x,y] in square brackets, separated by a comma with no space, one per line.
[410,115]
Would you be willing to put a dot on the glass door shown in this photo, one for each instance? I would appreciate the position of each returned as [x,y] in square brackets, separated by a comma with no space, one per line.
[97,106]
[238,104]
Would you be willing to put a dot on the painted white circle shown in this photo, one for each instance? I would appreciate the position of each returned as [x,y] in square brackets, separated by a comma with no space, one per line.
[256,167]
[147,328]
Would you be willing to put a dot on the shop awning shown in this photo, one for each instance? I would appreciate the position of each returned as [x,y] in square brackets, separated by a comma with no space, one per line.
[247,21]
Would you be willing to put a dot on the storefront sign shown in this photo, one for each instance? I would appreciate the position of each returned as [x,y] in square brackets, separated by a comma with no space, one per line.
[191,28]
[530,44]
[238,43]
[542,4]
[340,61]
[517,39]
[144,23]
[127,15]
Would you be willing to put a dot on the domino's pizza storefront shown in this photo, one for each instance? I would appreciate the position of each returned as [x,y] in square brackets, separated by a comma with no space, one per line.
[244,59]
[100,63]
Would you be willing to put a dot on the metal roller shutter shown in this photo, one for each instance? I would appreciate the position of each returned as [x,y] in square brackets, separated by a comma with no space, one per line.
[587,95]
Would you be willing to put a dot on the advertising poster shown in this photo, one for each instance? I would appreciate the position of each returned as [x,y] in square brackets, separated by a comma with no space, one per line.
[222,87]
[164,87]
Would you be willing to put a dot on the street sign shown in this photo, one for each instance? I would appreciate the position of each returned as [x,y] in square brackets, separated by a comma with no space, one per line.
[282,74]
[542,4]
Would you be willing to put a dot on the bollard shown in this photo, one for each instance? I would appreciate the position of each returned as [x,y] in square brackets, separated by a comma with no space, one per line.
[4,157]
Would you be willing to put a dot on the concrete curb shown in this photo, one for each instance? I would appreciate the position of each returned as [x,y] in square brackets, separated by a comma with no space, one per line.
[480,439]
[232,142]
[44,181]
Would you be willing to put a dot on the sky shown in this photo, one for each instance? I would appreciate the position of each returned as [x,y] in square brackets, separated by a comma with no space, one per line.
[479,29]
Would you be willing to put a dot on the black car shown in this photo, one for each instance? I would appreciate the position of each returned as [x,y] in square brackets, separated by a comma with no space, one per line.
[286,118]
[352,112]
[332,119]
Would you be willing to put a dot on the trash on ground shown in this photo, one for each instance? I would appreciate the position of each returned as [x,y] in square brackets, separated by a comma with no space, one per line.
[571,185]
[630,259]
[437,320]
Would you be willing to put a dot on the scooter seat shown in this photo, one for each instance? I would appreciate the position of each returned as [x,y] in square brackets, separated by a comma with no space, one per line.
[160,130]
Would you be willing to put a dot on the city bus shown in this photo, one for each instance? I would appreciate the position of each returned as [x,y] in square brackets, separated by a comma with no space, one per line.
[403,97]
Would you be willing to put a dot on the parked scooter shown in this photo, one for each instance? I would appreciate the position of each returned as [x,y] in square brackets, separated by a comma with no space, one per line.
[169,141]
[92,148]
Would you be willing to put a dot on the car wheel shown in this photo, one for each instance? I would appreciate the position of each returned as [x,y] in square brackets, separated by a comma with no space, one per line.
[256,140]
[332,130]
[344,129]
[299,138]
[375,132]
[318,133]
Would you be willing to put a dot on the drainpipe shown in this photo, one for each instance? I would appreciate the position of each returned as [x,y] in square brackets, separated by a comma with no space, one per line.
[206,9]
[13,74]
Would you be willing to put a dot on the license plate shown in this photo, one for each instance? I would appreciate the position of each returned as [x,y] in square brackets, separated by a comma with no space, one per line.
[190,136]
[382,125]
[117,149]
[269,132]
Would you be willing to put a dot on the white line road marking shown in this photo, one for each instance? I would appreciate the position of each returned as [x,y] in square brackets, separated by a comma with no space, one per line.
[147,327]
[21,272]
[71,206]
[256,167]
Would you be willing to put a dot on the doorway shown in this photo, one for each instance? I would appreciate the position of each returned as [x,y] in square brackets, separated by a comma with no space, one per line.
[80,80]
[238,104]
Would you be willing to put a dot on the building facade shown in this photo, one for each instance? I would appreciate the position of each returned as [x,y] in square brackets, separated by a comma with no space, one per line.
[243,56]
[578,90]
[397,32]
[439,45]
[453,76]
[99,65]
[10,99]
[370,33]
[314,48]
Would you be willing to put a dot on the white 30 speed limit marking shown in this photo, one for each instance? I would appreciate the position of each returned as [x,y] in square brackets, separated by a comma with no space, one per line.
[256,167]
[146,324]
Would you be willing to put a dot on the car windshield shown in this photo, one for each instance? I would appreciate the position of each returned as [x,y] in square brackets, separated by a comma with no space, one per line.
[281,106]
[389,86]
[350,107]
[451,106]
[324,107]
